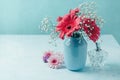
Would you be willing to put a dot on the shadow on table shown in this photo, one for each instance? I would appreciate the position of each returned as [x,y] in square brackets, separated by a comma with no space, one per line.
[107,70]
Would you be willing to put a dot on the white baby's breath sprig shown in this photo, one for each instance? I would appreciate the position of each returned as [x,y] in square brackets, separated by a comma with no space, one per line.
[88,9]
[100,21]
[53,37]
[46,25]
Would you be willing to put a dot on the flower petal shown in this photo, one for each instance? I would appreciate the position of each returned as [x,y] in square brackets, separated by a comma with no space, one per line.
[62,34]
[59,18]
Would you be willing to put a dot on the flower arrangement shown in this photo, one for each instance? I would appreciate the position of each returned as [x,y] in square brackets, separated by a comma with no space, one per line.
[71,23]
[82,20]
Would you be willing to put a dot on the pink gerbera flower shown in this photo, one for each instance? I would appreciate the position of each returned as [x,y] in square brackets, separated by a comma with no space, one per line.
[47,55]
[91,29]
[68,23]
[55,61]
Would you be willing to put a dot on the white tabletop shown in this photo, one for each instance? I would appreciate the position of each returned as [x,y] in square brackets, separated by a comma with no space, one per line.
[21,59]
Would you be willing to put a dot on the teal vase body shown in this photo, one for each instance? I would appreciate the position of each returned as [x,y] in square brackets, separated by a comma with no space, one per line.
[75,53]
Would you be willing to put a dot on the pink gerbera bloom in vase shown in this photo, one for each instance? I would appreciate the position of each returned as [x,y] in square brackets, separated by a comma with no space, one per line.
[68,24]
[91,29]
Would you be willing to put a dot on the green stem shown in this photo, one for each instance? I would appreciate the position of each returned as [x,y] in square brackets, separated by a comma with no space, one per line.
[97,46]
[76,35]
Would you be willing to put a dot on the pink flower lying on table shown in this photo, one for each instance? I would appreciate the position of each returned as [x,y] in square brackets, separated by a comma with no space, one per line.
[47,55]
[55,61]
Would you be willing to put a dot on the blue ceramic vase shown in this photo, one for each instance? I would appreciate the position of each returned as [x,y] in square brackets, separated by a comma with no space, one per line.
[75,53]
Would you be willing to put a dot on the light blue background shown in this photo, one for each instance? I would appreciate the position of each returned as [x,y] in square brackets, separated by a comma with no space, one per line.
[23,16]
